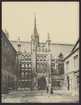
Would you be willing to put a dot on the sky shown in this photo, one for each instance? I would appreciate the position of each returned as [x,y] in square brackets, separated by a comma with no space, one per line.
[60,19]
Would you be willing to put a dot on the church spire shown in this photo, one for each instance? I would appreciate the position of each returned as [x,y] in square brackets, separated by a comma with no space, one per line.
[35,28]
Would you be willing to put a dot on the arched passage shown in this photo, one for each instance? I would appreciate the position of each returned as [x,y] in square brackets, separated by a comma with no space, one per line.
[41,83]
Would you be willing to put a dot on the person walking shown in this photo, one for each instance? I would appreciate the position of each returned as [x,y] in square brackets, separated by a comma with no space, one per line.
[51,91]
[47,89]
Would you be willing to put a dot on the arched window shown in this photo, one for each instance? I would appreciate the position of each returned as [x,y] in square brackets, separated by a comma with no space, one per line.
[43,48]
[60,56]
[22,65]
[46,49]
[29,65]
[44,57]
[26,65]
[26,73]
[41,58]
[29,57]
[22,74]
[37,66]
[37,57]
[26,57]
[41,66]
[22,56]
[5,60]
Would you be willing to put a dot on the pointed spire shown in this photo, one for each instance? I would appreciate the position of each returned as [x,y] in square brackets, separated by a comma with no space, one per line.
[48,36]
[19,44]
[18,39]
[7,33]
[35,28]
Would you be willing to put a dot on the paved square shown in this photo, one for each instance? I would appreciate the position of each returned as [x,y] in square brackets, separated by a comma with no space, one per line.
[39,97]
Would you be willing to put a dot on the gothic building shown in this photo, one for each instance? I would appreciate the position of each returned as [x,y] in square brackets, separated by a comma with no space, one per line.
[41,64]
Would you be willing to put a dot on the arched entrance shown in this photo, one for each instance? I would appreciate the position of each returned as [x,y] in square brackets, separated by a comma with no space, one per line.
[41,83]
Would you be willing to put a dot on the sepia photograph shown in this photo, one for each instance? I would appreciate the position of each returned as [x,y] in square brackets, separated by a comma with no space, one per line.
[40,52]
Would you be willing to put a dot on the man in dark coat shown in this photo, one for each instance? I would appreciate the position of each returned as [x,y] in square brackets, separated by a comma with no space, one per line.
[47,89]
[51,90]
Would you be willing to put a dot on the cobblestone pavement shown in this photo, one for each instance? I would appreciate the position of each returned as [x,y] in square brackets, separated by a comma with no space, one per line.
[39,97]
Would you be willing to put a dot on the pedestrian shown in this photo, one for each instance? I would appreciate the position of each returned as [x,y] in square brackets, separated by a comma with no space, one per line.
[51,90]
[47,89]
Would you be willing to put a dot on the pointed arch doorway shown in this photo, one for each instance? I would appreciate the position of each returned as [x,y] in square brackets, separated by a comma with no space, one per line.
[42,83]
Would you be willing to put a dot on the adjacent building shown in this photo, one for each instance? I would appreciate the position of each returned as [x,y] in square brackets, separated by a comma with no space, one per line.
[71,69]
[57,72]
[8,64]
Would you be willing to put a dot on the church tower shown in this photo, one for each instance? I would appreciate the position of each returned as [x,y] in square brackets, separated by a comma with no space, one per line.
[36,36]
[34,44]
[19,45]
[48,43]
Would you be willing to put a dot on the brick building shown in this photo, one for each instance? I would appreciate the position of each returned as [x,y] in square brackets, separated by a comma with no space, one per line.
[8,64]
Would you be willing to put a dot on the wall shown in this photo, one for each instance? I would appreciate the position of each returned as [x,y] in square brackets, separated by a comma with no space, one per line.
[8,64]
[72,73]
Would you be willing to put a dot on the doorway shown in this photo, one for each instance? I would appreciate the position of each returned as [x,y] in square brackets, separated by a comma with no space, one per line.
[41,83]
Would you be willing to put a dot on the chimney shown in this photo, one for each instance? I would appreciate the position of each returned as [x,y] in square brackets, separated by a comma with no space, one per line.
[7,33]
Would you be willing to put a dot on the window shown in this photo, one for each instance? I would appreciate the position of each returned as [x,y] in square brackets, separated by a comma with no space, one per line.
[56,66]
[22,74]
[41,66]
[29,58]
[77,80]
[60,56]
[29,73]
[29,65]
[39,49]
[22,56]
[67,66]
[38,66]
[22,65]
[58,83]
[61,69]
[76,63]
[26,65]
[26,57]
[37,57]
[5,60]
[41,57]
[26,73]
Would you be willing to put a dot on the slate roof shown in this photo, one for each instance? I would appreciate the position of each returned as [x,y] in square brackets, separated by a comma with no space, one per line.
[75,47]
[56,48]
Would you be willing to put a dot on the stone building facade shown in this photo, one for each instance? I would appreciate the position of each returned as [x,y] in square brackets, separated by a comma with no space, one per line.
[38,61]
[71,69]
[57,70]
[8,64]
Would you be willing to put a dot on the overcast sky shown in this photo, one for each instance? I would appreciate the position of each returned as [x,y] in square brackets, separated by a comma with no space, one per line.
[60,19]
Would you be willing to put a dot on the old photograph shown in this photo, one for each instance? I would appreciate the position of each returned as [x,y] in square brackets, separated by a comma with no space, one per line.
[40,52]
